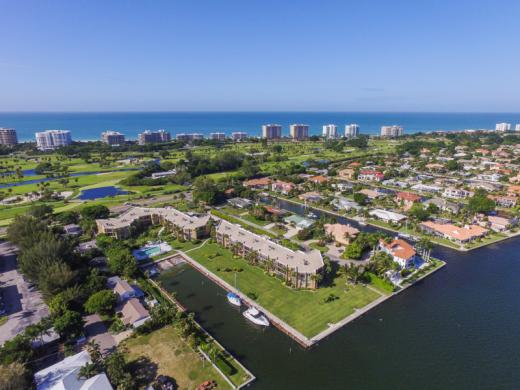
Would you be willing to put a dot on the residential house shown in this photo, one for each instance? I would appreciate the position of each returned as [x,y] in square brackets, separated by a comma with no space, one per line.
[312,196]
[319,180]
[407,199]
[402,253]
[345,204]
[299,222]
[64,375]
[455,233]
[443,205]
[370,175]
[282,187]
[342,186]
[190,226]
[72,230]
[240,203]
[371,194]
[503,200]
[499,224]
[425,188]
[387,216]
[133,313]
[513,190]
[258,184]
[342,234]
[347,173]
[455,193]
[297,267]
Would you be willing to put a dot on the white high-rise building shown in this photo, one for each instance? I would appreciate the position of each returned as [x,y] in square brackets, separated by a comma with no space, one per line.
[517,127]
[217,136]
[271,131]
[53,139]
[299,131]
[113,137]
[392,131]
[330,131]
[239,135]
[503,126]
[352,130]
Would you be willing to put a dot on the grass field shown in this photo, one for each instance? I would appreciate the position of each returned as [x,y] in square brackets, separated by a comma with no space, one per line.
[174,358]
[304,310]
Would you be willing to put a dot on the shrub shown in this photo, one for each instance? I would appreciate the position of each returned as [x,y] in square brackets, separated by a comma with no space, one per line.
[224,366]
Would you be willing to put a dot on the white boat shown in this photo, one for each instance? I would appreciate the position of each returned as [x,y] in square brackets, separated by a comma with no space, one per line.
[311,215]
[234,299]
[256,317]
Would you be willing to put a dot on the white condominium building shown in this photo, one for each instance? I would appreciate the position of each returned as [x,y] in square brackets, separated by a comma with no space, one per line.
[352,130]
[299,131]
[113,137]
[150,137]
[392,131]
[217,136]
[8,137]
[189,137]
[238,135]
[517,127]
[330,131]
[503,126]
[53,139]
[271,131]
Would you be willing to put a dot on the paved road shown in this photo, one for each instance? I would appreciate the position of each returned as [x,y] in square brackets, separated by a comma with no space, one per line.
[97,331]
[24,305]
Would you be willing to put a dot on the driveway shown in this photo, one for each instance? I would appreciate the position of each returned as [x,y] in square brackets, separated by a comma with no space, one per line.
[24,305]
[96,330]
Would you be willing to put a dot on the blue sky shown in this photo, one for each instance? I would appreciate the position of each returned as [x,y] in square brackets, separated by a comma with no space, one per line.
[259,55]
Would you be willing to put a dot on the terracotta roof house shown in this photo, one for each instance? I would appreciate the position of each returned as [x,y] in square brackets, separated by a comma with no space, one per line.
[504,201]
[513,190]
[402,253]
[259,184]
[455,233]
[354,164]
[347,173]
[407,199]
[133,313]
[319,179]
[371,194]
[370,175]
[342,234]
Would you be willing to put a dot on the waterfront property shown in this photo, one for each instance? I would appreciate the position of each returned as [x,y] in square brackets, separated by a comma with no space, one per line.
[191,227]
[298,268]
[402,253]
[342,234]
[454,233]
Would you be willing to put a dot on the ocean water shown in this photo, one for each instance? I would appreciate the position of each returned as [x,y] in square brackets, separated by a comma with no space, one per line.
[88,126]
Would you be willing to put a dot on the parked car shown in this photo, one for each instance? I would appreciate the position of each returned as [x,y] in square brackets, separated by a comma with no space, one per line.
[207,385]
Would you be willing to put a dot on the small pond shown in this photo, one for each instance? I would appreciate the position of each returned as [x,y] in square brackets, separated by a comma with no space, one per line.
[101,192]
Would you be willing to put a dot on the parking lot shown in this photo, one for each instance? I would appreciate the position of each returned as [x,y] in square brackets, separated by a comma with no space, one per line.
[24,305]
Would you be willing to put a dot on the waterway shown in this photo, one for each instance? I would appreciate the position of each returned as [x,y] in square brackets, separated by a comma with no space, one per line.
[457,329]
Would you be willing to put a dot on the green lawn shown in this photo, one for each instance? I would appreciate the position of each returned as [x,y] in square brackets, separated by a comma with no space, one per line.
[173,357]
[304,310]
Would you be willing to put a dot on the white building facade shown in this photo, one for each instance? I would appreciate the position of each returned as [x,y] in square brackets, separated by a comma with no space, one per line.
[330,131]
[352,130]
[392,131]
[53,139]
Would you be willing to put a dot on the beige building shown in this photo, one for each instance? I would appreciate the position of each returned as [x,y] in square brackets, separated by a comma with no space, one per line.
[342,234]
[191,227]
[8,137]
[298,268]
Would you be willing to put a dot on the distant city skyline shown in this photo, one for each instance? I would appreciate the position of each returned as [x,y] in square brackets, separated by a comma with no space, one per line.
[219,56]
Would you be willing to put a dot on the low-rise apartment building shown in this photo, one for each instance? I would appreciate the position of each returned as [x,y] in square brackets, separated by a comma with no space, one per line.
[298,268]
[190,227]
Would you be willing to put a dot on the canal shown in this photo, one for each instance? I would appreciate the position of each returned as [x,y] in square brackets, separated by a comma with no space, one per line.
[457,329]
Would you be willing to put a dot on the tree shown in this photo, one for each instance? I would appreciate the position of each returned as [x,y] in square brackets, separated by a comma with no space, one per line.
[360,198]
[55,277]
[95,212]
[121,262]
[40,211]
[480,203]
[205,190]
[353,251]
[69,325]
[117,371]
[101,302]
[419,212]
[24,231]
[15,376]
[452,165]
[18,349]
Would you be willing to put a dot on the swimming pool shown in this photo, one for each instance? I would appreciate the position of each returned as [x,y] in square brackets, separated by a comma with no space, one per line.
[151,250]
